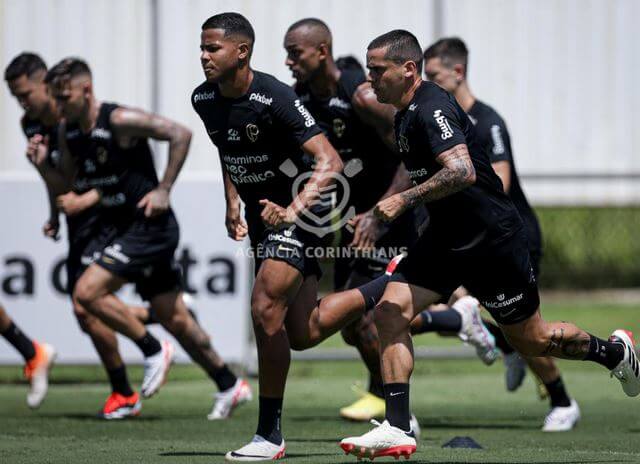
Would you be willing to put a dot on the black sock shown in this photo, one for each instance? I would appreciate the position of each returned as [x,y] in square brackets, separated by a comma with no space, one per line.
[448,320]
[375,387]
[396,396]
[501,341]
[20,341]
[372,291]
[558,394]
[270,411]
[608,354]
[224,378]
[119,381]
[149,345]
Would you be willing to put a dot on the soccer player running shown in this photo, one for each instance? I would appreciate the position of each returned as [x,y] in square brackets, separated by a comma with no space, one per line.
[361,130]
[262,129]
[445,64]
[475,238]
[38,358]
[138,232]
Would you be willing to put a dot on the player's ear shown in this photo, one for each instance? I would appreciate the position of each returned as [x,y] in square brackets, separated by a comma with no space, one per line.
[324,51]
[87,89]
[410,68]
[243,51]
[458,68]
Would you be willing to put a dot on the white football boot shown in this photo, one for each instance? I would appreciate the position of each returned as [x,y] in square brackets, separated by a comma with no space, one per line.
[259,449]
[474,332]
[384,440]
[562,419]
[228,400]
[156,368]
[628,370]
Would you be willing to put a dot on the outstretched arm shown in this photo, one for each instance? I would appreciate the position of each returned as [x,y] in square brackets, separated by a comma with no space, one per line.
[133,123]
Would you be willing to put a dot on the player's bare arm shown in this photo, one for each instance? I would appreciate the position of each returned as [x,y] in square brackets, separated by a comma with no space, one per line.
[72,203]
[378,115]
[503,170]
[130,124]
[237,228]
[457,173]
[327,165]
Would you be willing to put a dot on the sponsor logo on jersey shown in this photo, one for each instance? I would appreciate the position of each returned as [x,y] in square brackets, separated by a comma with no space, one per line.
[114,200]
[418,173]
[100,133]
[203,96]
[308,119]
[253,178]
[260,98]
[339,127]
[443,124]
[281,238]
[233,135]
[340,103]
[502,301]
[498,143]
[252,132]
[72,134]
[473,120]
[412,107]
[245,159]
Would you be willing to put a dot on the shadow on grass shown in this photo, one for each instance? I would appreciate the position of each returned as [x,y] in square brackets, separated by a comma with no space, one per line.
[95,418]
[187,454]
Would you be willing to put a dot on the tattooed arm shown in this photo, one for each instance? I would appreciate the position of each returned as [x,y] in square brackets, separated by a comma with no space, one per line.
[457,173]
[131,124]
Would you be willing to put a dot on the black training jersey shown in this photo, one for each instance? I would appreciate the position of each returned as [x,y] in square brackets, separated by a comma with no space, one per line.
[432,123]
[258,136]
[370,164]
[494,138]
[31,127]
[123,175]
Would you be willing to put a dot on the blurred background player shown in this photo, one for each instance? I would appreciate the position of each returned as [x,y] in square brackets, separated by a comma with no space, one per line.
[446,64]
[38,358]
[138,232]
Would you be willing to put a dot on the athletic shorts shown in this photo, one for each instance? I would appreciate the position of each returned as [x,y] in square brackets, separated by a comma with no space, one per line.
[500,275]
[293,245]
[142,252]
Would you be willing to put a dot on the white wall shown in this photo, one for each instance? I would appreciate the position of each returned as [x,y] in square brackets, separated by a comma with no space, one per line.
[561,72]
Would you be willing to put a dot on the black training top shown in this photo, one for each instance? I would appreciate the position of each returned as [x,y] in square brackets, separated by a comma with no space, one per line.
[31,127]
[369,163]
[123,175]
[259,136]
[494,138]
[432,123]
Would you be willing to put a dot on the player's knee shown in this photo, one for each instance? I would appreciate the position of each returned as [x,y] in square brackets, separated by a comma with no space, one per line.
[176,323]
[85,295]
[267,315]
[82,316]
[389,318]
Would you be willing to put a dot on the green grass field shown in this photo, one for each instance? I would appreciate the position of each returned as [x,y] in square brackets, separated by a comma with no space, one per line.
[451,398]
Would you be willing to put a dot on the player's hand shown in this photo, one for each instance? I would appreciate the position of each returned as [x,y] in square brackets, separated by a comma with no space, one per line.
[51,229]
[155,202]
[237,229]
[37,149]
[275,215]
[390,208]
[368,230]
[70,204]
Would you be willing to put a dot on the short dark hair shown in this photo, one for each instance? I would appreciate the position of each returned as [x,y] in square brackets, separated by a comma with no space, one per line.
[349,62]
[232,23]
[67,69]
[25,64]
[401,46]
[317,24]
[451,50]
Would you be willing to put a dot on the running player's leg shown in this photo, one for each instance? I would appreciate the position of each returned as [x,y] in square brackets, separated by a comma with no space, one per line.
[38,358]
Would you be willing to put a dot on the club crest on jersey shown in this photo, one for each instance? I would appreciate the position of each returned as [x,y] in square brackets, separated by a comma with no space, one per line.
[252,132]
[102,155]
[339,127]
[403,143]
[443,124]
[233,135]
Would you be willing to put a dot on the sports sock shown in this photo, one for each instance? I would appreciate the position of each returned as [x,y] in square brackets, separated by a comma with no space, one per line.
[20,341]
[149,345]
[119,381]
[396,396]
[224,378]
[501,341]
[270,411]
[608,354]
[372,291]
[448,320]
[558,394]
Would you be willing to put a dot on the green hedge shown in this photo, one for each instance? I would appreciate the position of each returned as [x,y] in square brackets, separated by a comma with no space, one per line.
[590,247]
